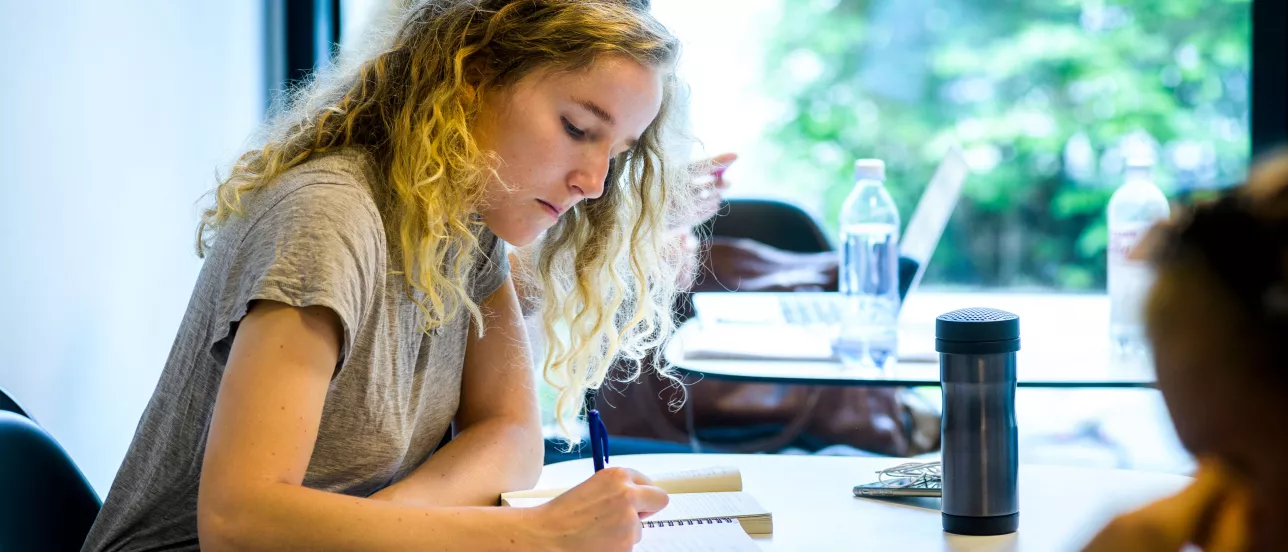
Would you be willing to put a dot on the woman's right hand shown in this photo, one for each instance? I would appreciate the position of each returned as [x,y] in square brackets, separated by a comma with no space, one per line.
[603,513]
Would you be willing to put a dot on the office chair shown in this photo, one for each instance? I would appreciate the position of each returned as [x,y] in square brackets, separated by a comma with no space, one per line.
[45,502]
[786,226]
[775,223]
[9,404]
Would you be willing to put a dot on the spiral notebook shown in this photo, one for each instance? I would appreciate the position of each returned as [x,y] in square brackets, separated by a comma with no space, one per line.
[707,511]
[709,535]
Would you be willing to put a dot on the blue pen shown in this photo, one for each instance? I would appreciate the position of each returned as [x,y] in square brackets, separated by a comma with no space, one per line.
[598,439]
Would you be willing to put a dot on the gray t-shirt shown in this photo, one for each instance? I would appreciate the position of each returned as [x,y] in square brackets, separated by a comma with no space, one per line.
[313,237]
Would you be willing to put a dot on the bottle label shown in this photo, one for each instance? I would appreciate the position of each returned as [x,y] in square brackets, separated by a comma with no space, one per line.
[1123,239]
[1129,280]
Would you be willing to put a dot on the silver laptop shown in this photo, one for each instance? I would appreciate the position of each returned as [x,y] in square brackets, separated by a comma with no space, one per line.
[918,242]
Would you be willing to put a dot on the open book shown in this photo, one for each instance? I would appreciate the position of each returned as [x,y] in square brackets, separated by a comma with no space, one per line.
[698,498]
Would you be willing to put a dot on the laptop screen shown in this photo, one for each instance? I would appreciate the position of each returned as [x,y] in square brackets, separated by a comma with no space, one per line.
[933,211]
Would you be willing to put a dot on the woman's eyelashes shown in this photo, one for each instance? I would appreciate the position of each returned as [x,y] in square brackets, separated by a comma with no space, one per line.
[581,135]
[572,130]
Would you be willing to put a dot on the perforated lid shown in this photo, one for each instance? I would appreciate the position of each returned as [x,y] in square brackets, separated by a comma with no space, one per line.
[976,325]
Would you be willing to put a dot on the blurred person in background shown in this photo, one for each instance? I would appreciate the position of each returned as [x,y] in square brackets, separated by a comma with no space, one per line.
[1216,318]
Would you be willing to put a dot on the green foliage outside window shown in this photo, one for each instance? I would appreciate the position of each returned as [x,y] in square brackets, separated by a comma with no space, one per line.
[1042,94]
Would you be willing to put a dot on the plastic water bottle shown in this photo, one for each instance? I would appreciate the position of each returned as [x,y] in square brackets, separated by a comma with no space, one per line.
[869,272]
[1134,208]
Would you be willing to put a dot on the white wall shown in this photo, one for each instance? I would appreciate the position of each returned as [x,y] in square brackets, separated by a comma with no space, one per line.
[117,115]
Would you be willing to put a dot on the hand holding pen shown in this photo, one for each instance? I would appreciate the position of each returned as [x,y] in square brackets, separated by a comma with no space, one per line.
[603,513]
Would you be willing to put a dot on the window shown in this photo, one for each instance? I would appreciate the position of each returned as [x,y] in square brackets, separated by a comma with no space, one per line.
[1042,96]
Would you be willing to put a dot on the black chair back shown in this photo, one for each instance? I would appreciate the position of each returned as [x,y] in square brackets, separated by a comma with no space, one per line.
[9,404]
[785,226]
[775,223]
[46,503]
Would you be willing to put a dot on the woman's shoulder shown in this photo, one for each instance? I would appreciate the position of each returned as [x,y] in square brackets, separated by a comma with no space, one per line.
[348,165]
[343,177]
[327,196]
[336,185]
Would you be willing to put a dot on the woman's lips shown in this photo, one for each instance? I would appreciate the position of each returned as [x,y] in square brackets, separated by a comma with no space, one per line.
[549,208]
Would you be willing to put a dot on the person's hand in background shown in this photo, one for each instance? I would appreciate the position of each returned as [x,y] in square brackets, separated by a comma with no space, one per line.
[714,184]
[1212,513]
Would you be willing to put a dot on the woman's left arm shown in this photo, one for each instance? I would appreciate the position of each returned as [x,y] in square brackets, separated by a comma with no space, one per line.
[498,445]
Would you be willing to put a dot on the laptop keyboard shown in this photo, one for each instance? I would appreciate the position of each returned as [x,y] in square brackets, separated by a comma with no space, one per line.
[810,308]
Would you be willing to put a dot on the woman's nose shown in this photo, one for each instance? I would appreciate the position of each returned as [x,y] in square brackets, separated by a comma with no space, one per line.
[589,178]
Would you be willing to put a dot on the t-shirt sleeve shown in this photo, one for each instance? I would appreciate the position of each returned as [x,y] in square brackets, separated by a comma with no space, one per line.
[320,245]
[493,269]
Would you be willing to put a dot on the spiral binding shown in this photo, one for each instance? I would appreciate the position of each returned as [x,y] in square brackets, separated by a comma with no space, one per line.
[912,475]
[683,522]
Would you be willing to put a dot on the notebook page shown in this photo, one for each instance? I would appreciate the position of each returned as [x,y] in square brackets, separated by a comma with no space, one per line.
[708,505]
[719,537]
[705,480]
[717,479]
[686,506]
[527,502]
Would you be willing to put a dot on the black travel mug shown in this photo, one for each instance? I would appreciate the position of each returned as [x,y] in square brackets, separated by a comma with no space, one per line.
[980,452]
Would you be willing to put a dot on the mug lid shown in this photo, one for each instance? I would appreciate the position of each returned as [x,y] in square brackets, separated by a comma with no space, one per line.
[975,325]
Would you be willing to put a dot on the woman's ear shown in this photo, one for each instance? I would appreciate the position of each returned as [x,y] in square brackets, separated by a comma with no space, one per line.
[470,90]
[474,74]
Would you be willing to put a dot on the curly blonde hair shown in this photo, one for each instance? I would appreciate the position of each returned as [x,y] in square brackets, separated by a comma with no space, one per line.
[607,270]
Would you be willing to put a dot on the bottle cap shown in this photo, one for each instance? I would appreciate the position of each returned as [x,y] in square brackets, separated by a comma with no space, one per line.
[1138,166]
[869,169]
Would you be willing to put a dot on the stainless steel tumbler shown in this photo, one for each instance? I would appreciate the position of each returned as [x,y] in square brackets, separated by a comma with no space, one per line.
[980,454]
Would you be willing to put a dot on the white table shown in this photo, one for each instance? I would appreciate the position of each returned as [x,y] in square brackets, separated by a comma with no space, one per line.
[814,508]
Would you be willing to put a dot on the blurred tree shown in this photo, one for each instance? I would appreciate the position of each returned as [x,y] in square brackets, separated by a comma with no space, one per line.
[1041,94]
